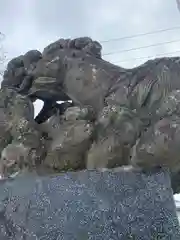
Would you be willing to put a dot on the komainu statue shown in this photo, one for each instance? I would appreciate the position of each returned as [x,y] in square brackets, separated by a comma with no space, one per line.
[110,116]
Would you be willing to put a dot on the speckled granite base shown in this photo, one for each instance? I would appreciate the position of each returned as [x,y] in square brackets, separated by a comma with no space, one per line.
[89,205]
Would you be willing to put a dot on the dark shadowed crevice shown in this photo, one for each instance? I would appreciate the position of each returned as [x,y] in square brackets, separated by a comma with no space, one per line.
[44,110]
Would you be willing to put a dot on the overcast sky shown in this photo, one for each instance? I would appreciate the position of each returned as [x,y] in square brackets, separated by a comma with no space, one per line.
[32,24]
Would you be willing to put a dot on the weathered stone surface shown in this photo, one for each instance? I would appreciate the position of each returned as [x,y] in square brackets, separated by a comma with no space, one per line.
[13,78]
[19,125]
[71,138]
[85,44]
[116,132]
[5,134]
[47,88]
[159,145]
[14,158]
[175,179]
[32,56]
[118,117]
[82,76]
[19,70]
[16,62]
[89,205]
[72,69]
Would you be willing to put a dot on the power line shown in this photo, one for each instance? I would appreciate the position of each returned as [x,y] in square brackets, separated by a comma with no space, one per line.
[142,47]
[140,34]
[141,58]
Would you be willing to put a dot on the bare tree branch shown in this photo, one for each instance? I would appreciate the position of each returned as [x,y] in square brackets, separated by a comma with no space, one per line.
[2,54]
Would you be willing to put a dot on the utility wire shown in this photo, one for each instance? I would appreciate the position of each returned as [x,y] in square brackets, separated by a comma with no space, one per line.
[142,47]
[140,34]
[141,58]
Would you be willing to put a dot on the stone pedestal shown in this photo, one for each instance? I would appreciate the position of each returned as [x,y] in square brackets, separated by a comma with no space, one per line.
[89,205]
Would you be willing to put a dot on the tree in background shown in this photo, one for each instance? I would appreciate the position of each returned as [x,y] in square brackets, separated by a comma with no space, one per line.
[178,4]
[2,54]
